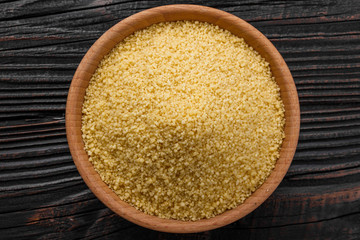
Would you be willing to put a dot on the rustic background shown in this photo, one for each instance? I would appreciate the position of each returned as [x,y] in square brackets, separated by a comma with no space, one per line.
[43,196]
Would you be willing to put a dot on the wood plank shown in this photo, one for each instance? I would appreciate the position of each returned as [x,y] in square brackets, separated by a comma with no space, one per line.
[41,193]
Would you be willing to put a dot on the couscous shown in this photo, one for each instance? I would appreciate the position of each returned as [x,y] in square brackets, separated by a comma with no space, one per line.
[183,120]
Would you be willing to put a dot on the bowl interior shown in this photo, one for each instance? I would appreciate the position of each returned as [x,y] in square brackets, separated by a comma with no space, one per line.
[174,13]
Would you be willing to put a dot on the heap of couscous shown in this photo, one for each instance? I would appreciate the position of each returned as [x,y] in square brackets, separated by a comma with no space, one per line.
[183,120]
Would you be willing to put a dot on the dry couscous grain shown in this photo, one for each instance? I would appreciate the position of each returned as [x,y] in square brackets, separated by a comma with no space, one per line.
[183,120]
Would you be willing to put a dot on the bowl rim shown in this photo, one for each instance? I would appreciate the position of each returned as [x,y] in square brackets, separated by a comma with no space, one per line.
[174,13]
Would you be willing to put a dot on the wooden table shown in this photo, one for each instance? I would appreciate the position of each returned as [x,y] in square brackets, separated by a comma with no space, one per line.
[41,193]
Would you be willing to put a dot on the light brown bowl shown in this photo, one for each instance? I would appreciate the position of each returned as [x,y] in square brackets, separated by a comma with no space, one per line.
[173,13]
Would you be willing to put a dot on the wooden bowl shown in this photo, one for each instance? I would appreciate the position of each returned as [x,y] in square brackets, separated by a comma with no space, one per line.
[173,13]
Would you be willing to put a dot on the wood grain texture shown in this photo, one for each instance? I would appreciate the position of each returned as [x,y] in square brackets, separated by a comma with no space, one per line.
[42,195]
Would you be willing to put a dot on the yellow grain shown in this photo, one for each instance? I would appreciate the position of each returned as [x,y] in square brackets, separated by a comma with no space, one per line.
[183,120]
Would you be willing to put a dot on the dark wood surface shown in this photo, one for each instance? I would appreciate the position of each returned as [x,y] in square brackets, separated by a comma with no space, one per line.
[42,196]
